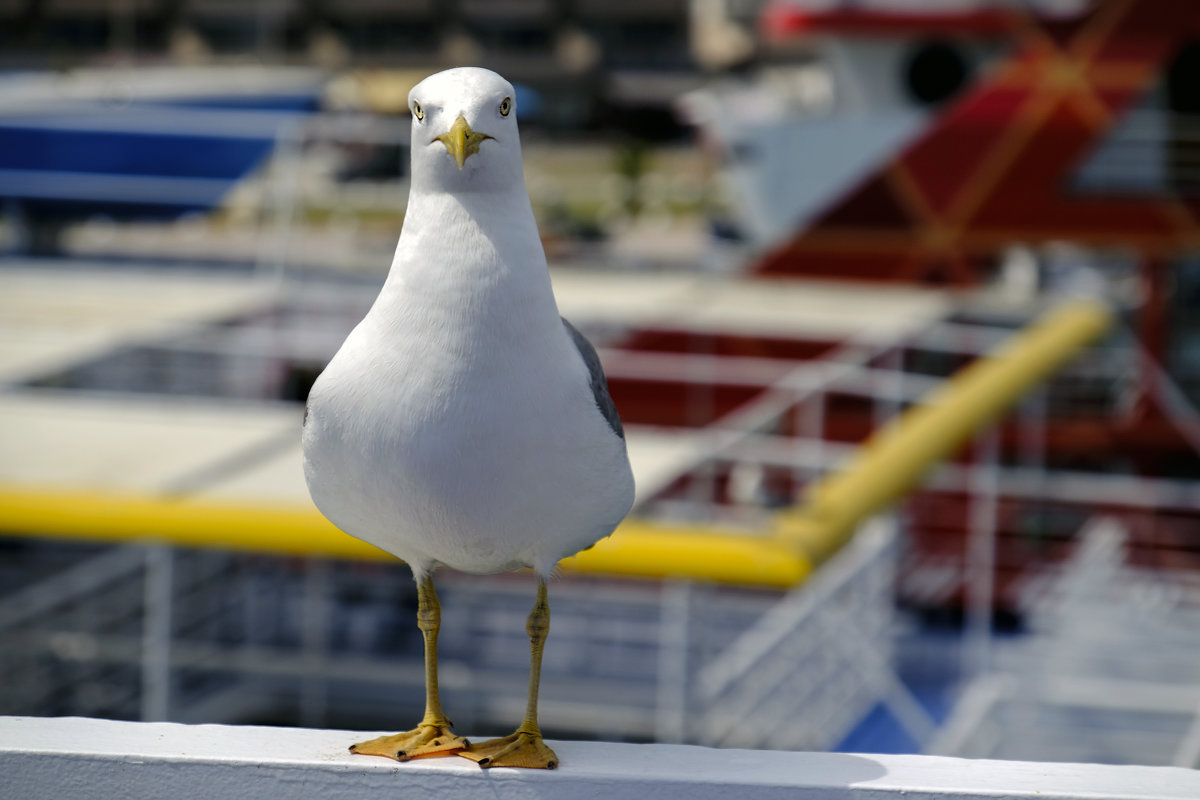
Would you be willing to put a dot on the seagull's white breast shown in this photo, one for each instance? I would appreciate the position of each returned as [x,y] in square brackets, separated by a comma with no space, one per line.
[456,424]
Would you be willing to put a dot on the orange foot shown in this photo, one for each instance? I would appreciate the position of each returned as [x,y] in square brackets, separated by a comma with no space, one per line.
[517,750]
[427,740]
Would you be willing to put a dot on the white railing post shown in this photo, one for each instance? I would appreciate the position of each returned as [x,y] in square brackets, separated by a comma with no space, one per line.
[980,569]
[157,613]
[314,633]
[670,721]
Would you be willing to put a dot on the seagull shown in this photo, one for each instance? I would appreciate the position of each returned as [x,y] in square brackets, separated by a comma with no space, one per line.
[464,422]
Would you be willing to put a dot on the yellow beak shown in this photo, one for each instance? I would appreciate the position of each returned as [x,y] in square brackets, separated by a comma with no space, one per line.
[461,142]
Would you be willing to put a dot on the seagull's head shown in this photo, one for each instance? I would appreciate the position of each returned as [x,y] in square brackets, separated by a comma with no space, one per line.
[464,134]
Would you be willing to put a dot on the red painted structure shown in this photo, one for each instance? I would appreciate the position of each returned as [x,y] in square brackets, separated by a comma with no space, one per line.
[996,166]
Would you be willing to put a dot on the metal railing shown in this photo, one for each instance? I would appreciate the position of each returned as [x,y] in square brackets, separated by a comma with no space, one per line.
[1109,672]
[150,632]
[814,664]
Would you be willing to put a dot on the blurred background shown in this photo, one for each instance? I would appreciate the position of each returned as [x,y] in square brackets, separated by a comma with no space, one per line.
[899,301]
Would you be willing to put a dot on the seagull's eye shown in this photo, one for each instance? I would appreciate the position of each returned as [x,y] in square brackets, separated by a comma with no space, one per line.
[418,112]
[505,106]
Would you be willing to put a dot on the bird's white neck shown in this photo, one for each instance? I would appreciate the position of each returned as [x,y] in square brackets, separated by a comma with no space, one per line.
[468,260]
[484,231]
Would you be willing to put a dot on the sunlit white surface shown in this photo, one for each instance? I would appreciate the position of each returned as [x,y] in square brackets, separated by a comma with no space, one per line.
[61,757]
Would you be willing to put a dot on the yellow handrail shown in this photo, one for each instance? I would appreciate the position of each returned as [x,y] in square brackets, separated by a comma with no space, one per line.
[895,459]
[639,547]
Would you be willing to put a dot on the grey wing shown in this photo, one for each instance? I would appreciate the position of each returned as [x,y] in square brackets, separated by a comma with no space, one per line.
[596,378]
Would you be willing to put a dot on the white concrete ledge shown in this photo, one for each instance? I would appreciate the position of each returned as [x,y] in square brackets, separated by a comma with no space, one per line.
[74,757]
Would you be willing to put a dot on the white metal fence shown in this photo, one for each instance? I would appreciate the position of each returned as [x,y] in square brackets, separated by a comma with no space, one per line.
[148,632]
[1109,672]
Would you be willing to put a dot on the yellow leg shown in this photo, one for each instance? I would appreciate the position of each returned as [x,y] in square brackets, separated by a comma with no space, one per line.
[432,736]
[525,747]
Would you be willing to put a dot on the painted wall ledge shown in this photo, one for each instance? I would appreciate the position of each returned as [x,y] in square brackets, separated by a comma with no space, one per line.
[76,757]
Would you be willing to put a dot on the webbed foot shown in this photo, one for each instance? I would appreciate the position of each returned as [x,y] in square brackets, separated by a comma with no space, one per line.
[516,750]
[427,740]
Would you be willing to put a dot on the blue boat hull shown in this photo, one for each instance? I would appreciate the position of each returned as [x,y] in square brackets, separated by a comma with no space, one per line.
[144,160]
